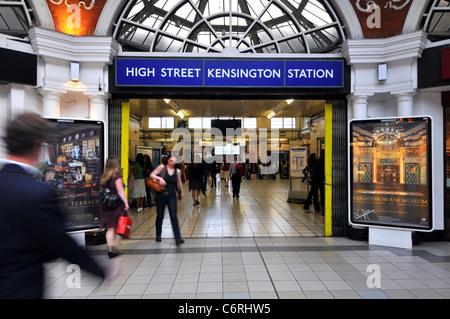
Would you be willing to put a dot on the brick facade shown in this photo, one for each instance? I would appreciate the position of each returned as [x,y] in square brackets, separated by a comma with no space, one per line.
[385,21]
[66,21]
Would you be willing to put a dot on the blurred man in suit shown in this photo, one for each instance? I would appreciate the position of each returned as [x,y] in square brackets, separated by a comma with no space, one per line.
[33,229]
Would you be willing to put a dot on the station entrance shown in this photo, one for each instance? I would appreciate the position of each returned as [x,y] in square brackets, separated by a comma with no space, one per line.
[265,207]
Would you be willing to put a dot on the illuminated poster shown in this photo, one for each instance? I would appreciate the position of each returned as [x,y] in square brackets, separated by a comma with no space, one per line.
[72,162]
[390,173]
[299,156]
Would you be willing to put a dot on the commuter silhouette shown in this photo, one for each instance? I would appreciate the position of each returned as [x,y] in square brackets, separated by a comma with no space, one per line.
[33,222]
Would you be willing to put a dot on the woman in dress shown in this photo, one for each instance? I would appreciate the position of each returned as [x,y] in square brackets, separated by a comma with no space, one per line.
[109,217]
[139,192]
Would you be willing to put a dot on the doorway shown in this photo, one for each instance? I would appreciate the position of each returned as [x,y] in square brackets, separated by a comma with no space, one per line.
[333,124]
[262,209]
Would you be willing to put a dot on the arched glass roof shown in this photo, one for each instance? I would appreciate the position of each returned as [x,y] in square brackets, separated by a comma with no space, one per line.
[240,26]
[15,18]
[437,20]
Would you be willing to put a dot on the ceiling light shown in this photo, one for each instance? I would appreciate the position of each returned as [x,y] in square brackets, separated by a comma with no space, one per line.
[74,71]
[175,108]
[181,114]
[278,108]
[270,114]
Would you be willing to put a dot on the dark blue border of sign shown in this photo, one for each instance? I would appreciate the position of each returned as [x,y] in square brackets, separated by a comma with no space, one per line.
[202,81]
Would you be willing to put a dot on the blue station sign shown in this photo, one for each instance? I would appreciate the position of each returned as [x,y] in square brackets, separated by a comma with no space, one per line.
[230,73]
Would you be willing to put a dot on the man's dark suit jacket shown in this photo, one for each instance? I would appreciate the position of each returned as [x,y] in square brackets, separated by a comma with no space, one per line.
[32,231]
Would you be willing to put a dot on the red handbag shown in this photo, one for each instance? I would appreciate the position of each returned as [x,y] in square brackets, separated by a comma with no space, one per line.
[124,226]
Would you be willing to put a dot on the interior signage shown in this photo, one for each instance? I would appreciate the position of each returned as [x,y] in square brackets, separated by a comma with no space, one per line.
[391,173]
[230,73]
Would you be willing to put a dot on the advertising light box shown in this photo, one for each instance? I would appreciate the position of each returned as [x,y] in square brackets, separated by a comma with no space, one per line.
[71,162]
[390,173]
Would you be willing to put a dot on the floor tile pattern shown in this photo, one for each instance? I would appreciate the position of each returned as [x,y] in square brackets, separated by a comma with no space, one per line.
[255,247]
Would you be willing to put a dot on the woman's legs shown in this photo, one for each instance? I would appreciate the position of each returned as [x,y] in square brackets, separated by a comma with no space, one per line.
[172,206]
[160,206]
[193,195]
[139,203]
[113,241]
[197,197]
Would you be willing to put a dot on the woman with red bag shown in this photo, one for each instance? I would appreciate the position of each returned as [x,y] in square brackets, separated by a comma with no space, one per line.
[109,217]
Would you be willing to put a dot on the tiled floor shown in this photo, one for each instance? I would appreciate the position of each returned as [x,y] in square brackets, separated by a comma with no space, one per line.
[261,211]
[257,247]
[263,268]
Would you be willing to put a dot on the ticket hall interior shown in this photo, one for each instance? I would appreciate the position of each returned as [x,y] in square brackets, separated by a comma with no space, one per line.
[269,204]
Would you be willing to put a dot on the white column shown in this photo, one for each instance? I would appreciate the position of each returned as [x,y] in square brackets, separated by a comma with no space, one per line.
[16,99]
[360,103]
[395,237]
[98,110]
[98,107]
[51,106]
[405,103]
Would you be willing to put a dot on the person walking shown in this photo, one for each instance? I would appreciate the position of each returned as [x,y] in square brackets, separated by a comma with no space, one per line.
[309,172]
[213,172]
[195,173]
[138,193]
[170,177]
[34,223]
[226,171]
[319,174]
[148,168]
[236,176]
[109,217]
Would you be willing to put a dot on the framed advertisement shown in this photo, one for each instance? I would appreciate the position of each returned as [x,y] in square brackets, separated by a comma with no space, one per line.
[390,173]
[74,171]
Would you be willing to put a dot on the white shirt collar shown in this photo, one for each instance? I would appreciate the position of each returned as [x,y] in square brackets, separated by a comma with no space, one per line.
[27,167]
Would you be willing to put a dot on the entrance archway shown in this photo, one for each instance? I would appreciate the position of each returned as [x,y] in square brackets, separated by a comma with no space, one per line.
[235,38]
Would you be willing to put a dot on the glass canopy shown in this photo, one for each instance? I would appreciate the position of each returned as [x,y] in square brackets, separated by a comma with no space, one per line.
[235,26]
[437,20]
[15,18]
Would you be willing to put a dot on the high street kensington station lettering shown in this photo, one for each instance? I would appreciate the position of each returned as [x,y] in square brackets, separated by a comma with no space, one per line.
[229,73]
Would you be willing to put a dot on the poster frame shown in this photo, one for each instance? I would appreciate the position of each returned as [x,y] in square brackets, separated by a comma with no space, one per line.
[430,168]
[101,150]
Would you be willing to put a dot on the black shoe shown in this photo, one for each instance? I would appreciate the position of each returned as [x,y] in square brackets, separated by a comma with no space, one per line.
[158,239]
[197,202]
[112,254]
[179,241]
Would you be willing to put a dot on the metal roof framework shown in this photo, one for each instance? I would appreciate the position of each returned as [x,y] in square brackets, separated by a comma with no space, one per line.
[234,26]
